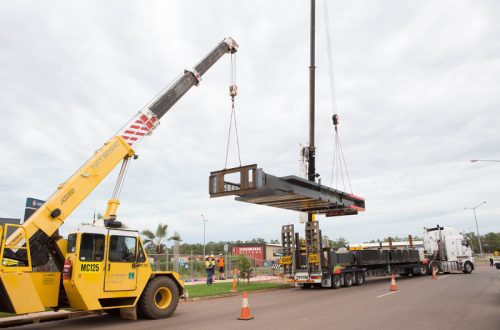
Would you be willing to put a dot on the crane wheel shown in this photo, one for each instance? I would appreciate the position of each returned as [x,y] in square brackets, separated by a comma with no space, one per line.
[159,299]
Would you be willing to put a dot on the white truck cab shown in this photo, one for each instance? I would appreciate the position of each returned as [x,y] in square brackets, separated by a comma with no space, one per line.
[447,250]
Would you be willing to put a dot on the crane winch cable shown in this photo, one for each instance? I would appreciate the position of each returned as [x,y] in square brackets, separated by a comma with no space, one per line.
[338,163]
[329,51]
[233,91]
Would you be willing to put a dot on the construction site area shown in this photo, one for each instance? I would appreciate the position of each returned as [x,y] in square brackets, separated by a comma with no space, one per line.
[285,165]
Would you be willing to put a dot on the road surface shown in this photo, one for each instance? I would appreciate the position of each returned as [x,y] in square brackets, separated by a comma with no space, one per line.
[454,301]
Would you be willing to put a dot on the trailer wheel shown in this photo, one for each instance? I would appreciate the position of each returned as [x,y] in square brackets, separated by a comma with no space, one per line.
[422,270]
[336,282]
[434,267]
[159,299]
[360,278]
[467,268]
[347,279]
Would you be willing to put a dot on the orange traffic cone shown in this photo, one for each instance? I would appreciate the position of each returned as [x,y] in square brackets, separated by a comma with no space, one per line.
[234,285]
[245,309]
[434,275]
[393,284]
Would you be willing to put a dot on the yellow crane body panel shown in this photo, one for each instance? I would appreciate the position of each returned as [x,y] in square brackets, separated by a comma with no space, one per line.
[30,292]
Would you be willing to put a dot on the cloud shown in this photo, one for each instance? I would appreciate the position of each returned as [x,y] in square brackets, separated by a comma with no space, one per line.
[417,90]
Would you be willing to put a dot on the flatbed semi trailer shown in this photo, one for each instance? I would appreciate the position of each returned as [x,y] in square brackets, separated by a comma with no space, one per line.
[314,265]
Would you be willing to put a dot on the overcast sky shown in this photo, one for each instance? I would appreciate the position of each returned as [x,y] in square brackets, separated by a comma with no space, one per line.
[417,91]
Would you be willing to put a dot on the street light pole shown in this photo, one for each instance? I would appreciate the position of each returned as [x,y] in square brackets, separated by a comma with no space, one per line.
[477,227]
[204,221]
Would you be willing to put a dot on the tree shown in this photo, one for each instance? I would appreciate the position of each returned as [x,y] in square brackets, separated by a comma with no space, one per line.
[154,241]
[338,243]
[244,266]
[176,237]
[258,240]
[491,242]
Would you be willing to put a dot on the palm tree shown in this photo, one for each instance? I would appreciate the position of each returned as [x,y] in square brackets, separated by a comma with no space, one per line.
[176,237]
[154,241]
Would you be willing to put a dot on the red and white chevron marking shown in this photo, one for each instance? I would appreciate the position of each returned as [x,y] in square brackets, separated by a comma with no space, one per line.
[144,123]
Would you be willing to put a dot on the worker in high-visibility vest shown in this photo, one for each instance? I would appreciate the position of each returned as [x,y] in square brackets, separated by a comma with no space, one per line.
[220,265]
[209,267]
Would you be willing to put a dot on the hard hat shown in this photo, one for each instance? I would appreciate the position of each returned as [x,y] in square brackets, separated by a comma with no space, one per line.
[220,254]
[211,256]
[206,257]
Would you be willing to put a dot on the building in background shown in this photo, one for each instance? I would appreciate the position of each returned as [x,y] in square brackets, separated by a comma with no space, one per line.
[262,254]
[3,221]
[32,204]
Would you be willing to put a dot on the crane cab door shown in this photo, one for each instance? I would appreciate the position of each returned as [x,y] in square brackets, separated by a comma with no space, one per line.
[121,271]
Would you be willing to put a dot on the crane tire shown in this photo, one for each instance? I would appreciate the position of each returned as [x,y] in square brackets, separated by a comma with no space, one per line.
[159,299]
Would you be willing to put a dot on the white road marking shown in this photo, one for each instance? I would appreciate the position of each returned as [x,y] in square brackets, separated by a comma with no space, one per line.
[386,294]
[441,277]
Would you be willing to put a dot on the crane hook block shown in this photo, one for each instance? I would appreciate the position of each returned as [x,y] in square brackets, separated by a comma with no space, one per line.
[233,90]
[335,119]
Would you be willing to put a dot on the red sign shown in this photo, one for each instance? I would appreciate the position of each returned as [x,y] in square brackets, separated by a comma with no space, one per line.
[253,252]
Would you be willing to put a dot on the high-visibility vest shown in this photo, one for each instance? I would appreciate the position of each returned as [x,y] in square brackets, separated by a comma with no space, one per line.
[220,262]
[208,264]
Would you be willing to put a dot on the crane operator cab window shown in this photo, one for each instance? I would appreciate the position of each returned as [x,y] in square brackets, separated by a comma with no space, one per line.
[122,249]
[92,247]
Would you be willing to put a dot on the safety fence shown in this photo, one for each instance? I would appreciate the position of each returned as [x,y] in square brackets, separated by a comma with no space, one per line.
[192,267]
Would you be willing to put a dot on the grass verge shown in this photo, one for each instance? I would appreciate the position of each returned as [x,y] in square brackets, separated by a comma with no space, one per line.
[216,289]
[6,314]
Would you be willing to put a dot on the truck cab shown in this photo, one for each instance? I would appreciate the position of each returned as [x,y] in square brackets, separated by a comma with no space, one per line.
[447,250]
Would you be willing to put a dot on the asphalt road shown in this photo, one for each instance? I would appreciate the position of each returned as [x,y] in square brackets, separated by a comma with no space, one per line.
[455,301]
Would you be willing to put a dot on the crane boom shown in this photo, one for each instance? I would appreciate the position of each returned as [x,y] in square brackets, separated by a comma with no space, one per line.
[46,220]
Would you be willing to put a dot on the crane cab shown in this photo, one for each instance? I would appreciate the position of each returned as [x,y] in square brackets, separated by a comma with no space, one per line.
[108,268]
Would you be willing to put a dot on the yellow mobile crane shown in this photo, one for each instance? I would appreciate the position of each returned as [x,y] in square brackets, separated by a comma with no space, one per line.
[99,266]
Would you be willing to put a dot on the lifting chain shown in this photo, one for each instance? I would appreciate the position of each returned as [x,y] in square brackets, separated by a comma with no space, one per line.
[339,165]
[233,91]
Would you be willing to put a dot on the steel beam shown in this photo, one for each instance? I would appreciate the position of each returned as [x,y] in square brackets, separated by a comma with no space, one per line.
[288,192]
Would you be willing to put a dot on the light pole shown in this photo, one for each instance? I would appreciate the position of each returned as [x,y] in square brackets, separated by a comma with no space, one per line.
[485,160]
[204,222]
[477,227]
